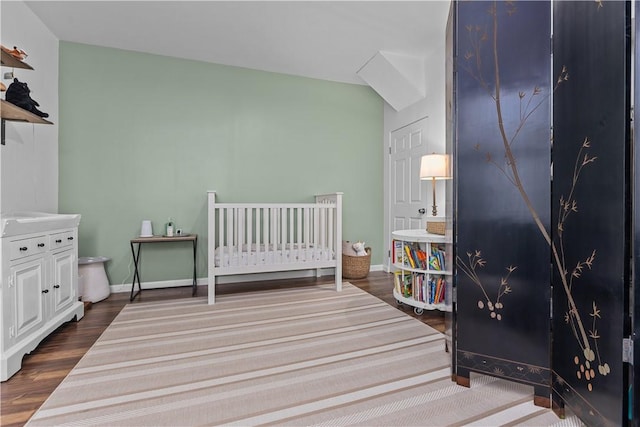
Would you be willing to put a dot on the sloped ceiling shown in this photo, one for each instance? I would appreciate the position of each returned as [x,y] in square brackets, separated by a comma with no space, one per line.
[329,40]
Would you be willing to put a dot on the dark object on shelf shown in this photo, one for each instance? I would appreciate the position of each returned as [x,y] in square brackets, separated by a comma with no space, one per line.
[356,267]
[18,94]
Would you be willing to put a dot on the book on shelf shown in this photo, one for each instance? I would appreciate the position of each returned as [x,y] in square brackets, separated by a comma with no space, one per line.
[440,287]
[398,252]
[422,258]
[402,281]
[437,258]
[417,286]
[410,259]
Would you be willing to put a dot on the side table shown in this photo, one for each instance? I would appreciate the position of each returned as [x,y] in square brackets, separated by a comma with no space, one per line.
[160,239]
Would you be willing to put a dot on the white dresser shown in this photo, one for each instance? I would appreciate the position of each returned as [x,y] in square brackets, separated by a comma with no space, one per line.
[39,289]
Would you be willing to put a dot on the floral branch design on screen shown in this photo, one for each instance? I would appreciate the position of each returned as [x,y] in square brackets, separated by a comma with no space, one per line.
[494,307]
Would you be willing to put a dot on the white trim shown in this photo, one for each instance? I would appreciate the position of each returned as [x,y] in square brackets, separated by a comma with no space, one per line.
[126,287]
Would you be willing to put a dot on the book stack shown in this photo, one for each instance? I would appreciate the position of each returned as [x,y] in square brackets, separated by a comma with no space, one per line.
[419,288]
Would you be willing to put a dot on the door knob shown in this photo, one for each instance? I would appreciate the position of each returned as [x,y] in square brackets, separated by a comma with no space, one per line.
[422,210]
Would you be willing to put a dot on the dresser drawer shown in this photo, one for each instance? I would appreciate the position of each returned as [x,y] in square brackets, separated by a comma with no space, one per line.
[60,240]
[27,247]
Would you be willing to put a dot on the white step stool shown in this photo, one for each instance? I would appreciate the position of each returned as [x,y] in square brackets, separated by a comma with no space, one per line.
[93,284]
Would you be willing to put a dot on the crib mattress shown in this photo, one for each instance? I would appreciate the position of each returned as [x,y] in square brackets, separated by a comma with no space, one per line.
[270,255]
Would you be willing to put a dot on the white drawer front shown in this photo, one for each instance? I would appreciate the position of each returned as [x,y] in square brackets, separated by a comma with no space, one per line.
[27,247]
[60,240]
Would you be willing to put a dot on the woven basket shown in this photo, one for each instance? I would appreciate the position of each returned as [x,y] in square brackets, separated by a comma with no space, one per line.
[435,227]
[356,267]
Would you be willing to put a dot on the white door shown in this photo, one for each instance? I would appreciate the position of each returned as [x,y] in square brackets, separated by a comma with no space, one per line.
[407,195]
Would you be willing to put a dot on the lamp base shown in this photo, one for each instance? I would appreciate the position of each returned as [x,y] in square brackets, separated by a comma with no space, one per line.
[436,227]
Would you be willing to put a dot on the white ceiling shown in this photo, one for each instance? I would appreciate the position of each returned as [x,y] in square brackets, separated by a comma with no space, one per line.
[328,40]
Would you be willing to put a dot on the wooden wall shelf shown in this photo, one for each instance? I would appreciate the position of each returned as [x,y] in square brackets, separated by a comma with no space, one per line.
[11,112]
[9,60]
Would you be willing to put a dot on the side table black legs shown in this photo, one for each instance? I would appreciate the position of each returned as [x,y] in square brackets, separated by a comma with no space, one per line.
[160,239]
[136,275]
[195,280]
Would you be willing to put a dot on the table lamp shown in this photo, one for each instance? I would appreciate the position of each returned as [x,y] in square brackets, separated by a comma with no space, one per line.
[433,167]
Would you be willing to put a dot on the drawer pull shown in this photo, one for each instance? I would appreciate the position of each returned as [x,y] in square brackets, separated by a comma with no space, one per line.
[56,286]
[41,245]
[58,240]
[23,248]
[69,238]
[45,291]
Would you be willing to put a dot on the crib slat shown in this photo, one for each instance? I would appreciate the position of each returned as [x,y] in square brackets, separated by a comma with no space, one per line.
[272,229]
[248,229]
[265,230]
[230,227]
[299,232]
[236,235]
[239,233]
[291,239]
[275,229]
[220,243]
[331,232]
[258,230]
[306,228]
[323,228]
[283,231]
[316,226]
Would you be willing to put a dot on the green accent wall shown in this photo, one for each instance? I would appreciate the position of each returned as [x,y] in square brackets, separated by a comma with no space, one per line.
[145,136]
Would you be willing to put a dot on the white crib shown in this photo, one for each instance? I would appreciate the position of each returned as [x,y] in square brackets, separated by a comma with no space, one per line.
[267,237]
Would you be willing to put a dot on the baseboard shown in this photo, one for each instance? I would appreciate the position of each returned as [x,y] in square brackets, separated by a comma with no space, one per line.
[126,287]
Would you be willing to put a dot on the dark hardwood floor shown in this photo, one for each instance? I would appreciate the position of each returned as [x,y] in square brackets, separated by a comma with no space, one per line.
[51,361]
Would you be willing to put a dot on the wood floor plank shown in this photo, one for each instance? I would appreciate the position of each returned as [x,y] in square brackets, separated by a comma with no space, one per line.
[45,368]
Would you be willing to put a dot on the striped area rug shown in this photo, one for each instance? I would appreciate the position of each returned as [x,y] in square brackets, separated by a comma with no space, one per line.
[302,356]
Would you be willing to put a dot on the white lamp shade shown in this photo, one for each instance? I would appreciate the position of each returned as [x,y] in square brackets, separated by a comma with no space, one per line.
[434,166]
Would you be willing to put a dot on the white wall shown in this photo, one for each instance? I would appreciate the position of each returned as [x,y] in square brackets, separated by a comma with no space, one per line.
[432,107]
[29,160]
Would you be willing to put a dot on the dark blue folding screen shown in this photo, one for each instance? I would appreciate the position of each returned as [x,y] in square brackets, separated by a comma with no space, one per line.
[503,171]
[545,196]
[591,207]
